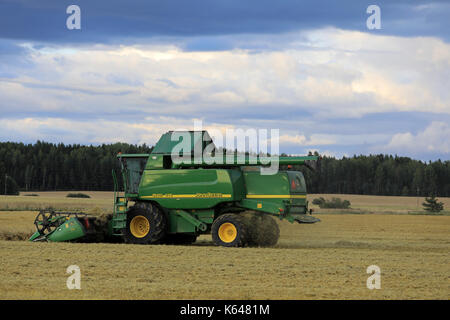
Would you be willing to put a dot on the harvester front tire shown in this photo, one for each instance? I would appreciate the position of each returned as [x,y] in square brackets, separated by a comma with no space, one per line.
[229,230]
[146,224]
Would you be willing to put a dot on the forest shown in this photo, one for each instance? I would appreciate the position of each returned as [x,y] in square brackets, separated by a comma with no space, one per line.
[46,166]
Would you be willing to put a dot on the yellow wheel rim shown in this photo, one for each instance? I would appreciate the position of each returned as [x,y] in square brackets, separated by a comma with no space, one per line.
[227,232]
[139,226]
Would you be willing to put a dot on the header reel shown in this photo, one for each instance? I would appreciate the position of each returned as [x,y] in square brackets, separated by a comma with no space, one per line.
[47,223]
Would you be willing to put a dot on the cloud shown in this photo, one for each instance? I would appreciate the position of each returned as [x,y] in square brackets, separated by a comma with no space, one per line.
[431,143]
[314,140]
[434,139]
[327,89]
[339,73]
[91,132]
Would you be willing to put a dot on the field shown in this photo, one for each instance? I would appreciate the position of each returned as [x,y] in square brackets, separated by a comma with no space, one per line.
[326,260]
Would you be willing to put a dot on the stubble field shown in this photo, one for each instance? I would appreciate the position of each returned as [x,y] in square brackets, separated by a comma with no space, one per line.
[326,260]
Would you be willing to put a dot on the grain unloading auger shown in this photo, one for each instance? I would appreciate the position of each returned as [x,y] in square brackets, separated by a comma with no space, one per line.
[165,201]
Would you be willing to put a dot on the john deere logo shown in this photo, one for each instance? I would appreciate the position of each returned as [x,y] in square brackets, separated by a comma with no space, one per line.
[210,195]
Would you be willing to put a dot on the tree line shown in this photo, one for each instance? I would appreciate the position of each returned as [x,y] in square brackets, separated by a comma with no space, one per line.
[379,175]
[46,166]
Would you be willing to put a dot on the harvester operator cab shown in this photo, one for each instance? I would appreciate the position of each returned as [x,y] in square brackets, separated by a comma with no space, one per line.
[133,166]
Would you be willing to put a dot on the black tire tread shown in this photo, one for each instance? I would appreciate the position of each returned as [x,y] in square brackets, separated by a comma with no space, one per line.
[157,219]
[263,229]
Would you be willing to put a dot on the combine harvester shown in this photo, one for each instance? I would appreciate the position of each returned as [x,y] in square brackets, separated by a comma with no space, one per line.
[168,202]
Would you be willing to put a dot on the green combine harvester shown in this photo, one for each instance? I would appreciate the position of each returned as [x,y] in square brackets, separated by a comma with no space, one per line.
[164,201]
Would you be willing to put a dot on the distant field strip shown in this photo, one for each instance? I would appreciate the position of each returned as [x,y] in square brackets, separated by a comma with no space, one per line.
[276,196]
[103,201]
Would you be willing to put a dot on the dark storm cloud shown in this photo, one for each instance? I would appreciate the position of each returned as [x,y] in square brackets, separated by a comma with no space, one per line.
[115,20]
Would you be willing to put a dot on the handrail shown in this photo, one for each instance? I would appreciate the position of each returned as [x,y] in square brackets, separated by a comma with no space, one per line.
[115,189]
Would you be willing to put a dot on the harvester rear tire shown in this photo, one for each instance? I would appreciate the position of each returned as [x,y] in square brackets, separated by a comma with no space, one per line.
[146,224]
[263,229]
[270,230]
[229,230]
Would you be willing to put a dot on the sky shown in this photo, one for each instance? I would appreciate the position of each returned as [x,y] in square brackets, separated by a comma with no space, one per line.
[312,69]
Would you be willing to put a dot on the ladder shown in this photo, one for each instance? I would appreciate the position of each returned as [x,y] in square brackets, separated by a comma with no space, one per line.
[119,220]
